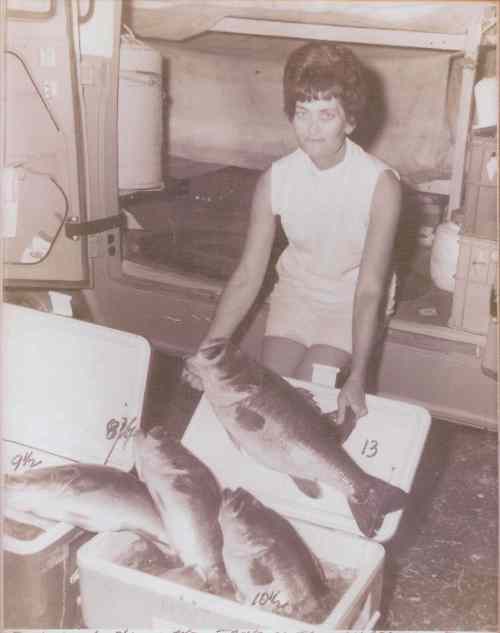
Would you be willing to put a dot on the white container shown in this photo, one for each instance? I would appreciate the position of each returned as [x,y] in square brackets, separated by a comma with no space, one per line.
[140,117]
[388,442]
[486,101]
[113,596]
[444,255]
[71,391]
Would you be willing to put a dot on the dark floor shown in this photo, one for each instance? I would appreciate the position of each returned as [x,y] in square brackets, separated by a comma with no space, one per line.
[441,567]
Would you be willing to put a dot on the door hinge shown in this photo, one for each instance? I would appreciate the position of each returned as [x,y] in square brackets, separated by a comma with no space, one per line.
[76,229]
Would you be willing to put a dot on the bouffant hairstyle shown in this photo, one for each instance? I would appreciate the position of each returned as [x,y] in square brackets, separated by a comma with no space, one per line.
[322,70]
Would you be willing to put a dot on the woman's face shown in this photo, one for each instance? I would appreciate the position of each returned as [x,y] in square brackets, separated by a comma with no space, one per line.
[321,127]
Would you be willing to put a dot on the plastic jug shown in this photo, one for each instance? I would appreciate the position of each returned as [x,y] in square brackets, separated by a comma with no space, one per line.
[444,255]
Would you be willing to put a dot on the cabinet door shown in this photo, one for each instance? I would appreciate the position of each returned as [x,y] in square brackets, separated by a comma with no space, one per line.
[43,175]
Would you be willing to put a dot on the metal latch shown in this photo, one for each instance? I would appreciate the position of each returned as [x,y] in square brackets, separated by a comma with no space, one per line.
[75,229]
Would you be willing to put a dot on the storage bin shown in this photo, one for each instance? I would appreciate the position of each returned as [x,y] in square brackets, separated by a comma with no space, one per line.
[480,189]
[71,391]
[475,276]
[389,442]
[114,596]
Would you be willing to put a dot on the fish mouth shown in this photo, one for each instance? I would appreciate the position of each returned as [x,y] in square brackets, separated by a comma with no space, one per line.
[160,432]
[214,350]
[235,501]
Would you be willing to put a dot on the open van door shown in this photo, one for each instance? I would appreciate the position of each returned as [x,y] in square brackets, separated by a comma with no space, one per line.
[42,145]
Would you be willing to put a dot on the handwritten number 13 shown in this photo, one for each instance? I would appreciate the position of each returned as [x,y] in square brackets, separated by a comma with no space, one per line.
[370,448]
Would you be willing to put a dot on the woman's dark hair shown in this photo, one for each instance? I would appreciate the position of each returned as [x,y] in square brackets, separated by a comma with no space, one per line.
[322,70]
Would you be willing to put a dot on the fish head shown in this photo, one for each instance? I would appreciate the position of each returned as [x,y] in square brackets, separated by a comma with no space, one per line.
[21,489]
[214,350]
[155,449]
[242,521]
[162,460]
[211,356]
[226,372]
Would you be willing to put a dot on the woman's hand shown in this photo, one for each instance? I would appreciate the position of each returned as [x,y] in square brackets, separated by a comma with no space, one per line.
[352,395]
[190,375]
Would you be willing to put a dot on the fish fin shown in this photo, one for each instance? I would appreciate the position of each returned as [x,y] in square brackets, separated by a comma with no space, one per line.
[77,518]
[188,576]
[381,498]
[309,396]
[182,482]
[344,430]
[249,420]
[261,574]
[219,582]
[308,487]
[163,546]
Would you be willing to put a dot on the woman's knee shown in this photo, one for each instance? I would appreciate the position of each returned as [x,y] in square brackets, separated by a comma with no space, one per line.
[321,355]
[282,355]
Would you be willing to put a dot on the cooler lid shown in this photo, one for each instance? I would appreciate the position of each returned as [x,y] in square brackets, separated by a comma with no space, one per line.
[387,443]
[72,391]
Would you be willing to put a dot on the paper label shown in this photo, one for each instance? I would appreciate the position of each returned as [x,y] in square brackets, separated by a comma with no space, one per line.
[61,303]
[324,375]
[36,251]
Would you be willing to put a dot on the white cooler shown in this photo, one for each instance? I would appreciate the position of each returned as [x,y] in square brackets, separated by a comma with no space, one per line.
[388,443]
[72,392]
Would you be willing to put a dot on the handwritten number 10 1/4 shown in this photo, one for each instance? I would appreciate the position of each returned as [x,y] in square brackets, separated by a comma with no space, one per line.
[266,597]
[370,448]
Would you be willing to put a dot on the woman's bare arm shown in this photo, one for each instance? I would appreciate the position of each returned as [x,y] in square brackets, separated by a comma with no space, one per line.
[244,284]
[371,287]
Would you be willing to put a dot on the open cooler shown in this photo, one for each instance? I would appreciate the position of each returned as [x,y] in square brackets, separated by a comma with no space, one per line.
[388,442]
[72,392]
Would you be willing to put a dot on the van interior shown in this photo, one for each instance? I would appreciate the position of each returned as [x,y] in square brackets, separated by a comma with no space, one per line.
[147,178]
[217,145]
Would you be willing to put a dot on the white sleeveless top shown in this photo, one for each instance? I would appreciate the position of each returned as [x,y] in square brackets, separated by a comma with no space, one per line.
[325,215]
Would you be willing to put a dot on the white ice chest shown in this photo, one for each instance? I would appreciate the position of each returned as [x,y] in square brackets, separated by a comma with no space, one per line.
[72,391]
[388,442]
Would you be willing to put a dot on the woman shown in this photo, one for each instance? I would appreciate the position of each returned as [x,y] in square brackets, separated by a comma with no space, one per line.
[339,207]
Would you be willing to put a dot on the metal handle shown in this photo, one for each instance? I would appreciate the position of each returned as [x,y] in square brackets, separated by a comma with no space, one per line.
[370,625]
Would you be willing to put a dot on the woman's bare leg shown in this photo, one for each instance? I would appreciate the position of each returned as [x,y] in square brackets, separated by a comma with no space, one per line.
[282,355]
[322,355]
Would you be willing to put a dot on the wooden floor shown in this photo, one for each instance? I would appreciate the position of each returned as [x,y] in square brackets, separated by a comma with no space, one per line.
[441,569]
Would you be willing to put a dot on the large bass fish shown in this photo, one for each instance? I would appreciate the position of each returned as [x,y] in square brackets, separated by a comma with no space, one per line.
[267,560]
[277,425]
[188,499]
[94,497]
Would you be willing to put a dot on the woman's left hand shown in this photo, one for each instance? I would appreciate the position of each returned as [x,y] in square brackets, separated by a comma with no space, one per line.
[352,395]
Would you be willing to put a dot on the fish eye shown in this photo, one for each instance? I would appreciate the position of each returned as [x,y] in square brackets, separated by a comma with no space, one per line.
[157,432]
[211,352]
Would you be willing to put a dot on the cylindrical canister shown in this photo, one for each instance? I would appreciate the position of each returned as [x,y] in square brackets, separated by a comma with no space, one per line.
[486,101]
[140,117]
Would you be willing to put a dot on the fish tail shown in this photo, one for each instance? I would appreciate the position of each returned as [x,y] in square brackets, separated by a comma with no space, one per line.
[378,499]
[219,582]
